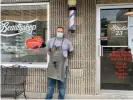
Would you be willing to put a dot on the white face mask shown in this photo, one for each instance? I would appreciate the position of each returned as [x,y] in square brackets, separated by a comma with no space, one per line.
[59,35]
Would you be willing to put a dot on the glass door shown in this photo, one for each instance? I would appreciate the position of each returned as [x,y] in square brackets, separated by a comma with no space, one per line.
[115,60]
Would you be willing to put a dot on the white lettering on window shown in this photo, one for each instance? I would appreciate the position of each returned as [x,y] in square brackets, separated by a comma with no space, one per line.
[21,26]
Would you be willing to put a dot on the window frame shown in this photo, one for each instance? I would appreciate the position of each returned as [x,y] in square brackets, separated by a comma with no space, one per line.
[32,65]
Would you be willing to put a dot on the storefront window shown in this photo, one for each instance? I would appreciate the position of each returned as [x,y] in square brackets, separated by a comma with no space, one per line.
[24,33]
[116,59]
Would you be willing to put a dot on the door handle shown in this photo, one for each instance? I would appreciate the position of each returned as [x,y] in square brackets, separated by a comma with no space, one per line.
[99,50]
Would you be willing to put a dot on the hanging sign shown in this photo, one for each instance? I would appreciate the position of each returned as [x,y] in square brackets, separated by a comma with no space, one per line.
[7,26]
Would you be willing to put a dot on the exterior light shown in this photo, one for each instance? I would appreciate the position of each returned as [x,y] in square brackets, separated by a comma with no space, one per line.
[72,3]
[128,13]
[72,12]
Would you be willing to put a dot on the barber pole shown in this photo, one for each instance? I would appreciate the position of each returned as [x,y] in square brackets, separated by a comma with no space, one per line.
[72,20]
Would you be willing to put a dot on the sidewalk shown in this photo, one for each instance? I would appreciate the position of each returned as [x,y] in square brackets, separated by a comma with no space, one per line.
[31,95]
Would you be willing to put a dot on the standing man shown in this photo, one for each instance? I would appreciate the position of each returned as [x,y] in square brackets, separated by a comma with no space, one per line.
[59,49]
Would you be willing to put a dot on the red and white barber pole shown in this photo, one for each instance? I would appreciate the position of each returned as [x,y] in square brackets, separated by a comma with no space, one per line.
[72,20]
[72,10]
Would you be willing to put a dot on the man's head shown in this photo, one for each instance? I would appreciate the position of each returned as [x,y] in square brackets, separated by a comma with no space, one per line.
[60,32]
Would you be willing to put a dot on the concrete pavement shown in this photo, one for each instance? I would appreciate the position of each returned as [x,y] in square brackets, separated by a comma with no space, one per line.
[31,95]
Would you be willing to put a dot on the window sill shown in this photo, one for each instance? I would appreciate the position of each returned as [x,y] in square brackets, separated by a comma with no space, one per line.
[33,65]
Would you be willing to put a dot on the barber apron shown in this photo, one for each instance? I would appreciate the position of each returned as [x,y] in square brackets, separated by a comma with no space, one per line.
[56,66]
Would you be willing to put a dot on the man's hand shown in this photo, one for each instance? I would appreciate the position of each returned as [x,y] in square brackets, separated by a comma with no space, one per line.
[70,55]
[49,52]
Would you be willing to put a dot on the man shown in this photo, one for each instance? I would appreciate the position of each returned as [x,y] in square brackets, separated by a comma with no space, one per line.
[59,49]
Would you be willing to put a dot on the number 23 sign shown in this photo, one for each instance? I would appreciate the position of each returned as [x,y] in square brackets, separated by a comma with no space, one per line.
[118,29]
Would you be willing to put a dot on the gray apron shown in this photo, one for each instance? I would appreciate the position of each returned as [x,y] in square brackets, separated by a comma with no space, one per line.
[56,66]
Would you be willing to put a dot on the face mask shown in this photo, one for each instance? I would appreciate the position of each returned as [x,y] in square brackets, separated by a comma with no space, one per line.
[60,35]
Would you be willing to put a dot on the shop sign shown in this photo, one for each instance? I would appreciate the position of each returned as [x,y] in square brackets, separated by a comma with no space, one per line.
[117,33]
[21,27]
[117,29]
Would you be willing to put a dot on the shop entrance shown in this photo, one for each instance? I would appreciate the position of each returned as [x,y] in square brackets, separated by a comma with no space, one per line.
[114,60]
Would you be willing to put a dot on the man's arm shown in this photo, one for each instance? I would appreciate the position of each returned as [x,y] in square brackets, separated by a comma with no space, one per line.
[70,51]
[48,48]
[49,52]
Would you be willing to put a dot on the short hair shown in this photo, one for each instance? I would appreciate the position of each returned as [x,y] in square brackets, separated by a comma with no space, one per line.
[60,27]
